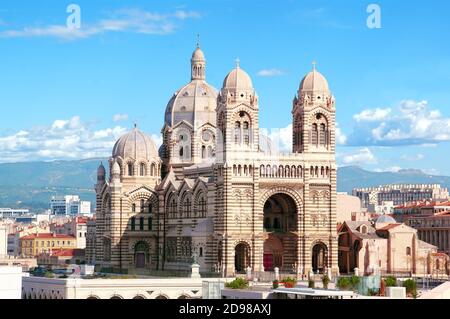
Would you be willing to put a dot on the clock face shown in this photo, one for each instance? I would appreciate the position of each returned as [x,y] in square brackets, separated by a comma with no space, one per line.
[207,136]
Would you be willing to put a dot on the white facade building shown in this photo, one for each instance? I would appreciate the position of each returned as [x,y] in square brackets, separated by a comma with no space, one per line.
[13,213]
[158,288]
[10,283]
[3,240]
[69,205]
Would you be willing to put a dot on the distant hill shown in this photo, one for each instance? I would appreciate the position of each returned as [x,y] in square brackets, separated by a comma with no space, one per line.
[31,184]
[350,177]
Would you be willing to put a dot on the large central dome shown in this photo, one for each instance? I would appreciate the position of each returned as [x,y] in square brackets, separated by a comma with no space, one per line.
[135,145]
[195,102]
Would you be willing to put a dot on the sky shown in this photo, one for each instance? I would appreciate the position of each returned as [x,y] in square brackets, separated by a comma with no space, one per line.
[70,93]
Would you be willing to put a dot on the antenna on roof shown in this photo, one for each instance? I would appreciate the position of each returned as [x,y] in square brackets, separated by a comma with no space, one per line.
[238,62]
[198,40]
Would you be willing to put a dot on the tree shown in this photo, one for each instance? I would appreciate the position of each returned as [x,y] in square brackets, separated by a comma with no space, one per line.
[325,281]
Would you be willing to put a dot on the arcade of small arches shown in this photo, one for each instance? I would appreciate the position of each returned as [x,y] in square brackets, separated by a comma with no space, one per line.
[139,169]
[292,171]
[57,296]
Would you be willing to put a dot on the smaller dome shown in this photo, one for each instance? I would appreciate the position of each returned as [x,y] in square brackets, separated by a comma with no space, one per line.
[198,55]
[135,145]
[314,81]
[237,79]
[385,219]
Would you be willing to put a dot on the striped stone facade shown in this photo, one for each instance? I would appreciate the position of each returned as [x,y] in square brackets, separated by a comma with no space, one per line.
[241,206]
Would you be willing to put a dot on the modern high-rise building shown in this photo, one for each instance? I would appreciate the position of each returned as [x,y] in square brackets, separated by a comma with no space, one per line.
[400,194]
[69,205]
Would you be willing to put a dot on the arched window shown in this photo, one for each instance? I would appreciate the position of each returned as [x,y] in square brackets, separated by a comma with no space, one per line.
[202,207]
[262,171]
[408,251]
[364,229]
[237,133]
[246,133]
[181,152]
[133,208]
[130,170]
[323,135]
[142,169]
[187,208]
[141,223]
[203,151]
[153,170]
[150,223]
[133,223]
[142,205]
[314,135]
[173,208]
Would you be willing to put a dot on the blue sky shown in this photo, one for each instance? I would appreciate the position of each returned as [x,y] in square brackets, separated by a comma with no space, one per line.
[60,92]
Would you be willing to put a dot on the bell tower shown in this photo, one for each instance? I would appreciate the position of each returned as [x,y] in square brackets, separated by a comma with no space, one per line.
[237,115]
[314,116]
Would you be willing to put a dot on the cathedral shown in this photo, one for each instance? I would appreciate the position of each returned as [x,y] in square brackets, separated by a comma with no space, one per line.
[217,192]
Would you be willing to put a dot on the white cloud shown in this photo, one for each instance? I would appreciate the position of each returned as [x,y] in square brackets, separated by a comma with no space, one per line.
[360,157]
[341,138]
[158,139]
[280,139]
[123,20]
[413,158]
[411,123]
[270,72]
[120,117]
[372,115]
[63,139]
[392,169]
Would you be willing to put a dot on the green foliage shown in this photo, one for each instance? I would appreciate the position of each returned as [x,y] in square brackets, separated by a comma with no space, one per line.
[372,292]
[391,281]
[354,281]
[325,281]
[49,275]
[289,282]
[275,284]
[238,283]
[411,286]
[344,283]
[348,283]
[311,283]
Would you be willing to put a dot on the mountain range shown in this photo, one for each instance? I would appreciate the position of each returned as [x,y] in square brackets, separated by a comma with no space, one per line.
[31,184]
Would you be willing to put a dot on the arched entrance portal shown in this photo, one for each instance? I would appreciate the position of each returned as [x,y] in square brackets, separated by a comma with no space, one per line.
[141,254]
[319,257]
[242,257]
[280,227]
